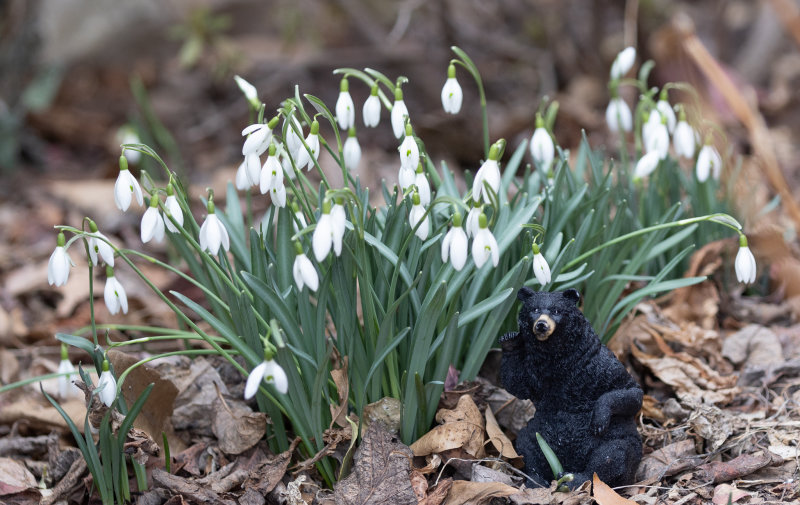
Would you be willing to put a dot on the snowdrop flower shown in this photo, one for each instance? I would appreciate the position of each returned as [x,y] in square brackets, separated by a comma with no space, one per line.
[399,113]
[152,222]
[292,138]
[328,232]
[303,270]
[452,95]
[259,136]
[618,115]
[126,186]
[683,138]
[351,151]
[417,216]
[665,109]
[745,264]
[271,174]
[299,221]
[423,187]
[307,157]
[98,246]
[473,218]
[249,92]
[114,294]
[345,109]
[455,244]
[269,370]
[242,180]
[58,266]
[489,173]
[542,148]
[484,246]
[657,138]
[409,150]
[372,108]
[540,267]
[172,208]
[708,163]
[646,165]
[623,63]
[106,386]
[406,177]
[212,232]
[65,386]
[339,217]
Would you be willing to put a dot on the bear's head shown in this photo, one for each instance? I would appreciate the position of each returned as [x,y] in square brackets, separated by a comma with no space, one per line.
[544,313]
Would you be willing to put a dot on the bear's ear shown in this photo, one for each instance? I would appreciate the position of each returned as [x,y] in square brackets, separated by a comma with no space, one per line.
[572,294]
[524,293]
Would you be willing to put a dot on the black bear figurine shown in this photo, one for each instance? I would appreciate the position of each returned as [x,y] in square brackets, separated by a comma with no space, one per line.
[586,402]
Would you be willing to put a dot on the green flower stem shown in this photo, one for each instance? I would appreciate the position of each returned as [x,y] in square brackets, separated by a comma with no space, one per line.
[134,327]
[31,380]
[674,224]
[156,338]
[466,62]
[369,81]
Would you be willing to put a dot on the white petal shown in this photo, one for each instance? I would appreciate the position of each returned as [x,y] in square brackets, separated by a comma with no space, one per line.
[646,165]
[372,111]
[242,181]
[541,269]
[276,376]
[666,111]
[446,244]
[345,111]
[223,234]
[309,273]
[65,386]
[58,267]
[745,266]
[278,195]
[683,140]
[149,220]
[174,208]
[423,188]
[406,177]
[254,380]
[253,169]
[479,252]
[542,148]
[458,249]
[409,153]
[209,234]
[623,63]
[352,153]
[452,96]
[107,386]
[122,191]
[255,139]
[399,114]
[323,237]
[618,116]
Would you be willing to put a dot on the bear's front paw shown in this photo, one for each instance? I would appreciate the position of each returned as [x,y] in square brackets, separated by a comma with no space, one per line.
[509,336]
[601,418]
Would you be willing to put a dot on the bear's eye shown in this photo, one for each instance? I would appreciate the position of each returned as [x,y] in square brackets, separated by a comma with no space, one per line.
[556,312]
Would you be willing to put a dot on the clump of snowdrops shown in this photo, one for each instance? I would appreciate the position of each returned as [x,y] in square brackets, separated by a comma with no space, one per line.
[395,295]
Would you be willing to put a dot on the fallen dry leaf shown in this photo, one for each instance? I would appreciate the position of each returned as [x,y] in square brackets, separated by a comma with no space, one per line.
[712,424]
[386,411]
[669,460]
[475,493]
[605,495]
[236,426]
[740,466]
[14,477]
[380,473]
[725,493]
[339,412]
[438,494]
[462,428]
[753,345]
[500,441]
[267,474]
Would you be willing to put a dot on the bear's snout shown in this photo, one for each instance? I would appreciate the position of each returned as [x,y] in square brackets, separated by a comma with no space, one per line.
[544,327]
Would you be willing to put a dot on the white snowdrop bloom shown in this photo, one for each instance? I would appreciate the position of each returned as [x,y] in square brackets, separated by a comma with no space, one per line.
[267,370]
[683,139]
[248,169]
[304,157]
[351,151]
[152,223]
[657,139]
[455,244]
[271,174]
[484,245]
[409,150]
[65,386]
[338,220]
[299,221]
[666,111]
[452,95]
[304,273]
[99,248]
[489,173]
[540,267]
[259,136]
[213,233]
[172,208]
[278,195]
[623,63]
[372,109]
[345,109]
[399,113]
[473,221]
[423,186]
[542,149]
[126,187]
[745,264]
[59,264]
[327,233]
[293,139]
[106,386]
[646,165]
[406,177]
[249,91]
[618,115]
[114,294]
[652,120]
[417,215]
[708,163]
